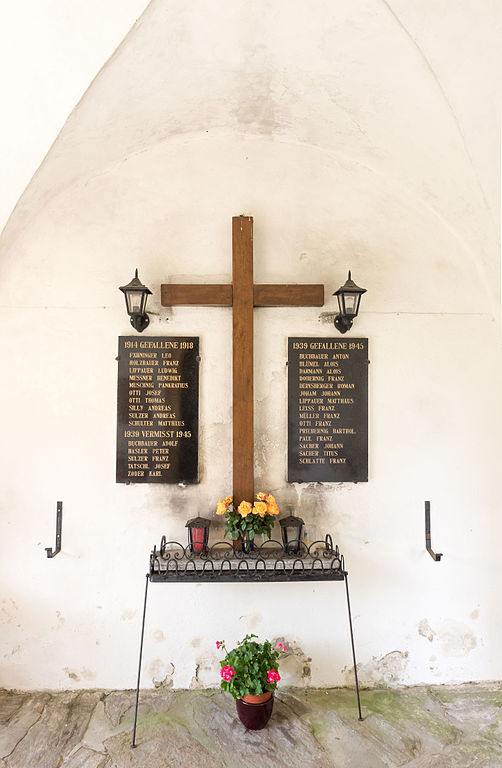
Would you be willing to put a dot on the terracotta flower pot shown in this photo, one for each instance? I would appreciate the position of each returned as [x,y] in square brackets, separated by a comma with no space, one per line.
[255,714]
[258,698]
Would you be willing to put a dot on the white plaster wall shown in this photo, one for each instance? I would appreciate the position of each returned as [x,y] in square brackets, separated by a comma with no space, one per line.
[348,156]
[50,50]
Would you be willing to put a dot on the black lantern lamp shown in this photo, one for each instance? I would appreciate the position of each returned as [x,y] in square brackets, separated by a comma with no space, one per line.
[198,534]
[349,298]
[291,530]
[136,295]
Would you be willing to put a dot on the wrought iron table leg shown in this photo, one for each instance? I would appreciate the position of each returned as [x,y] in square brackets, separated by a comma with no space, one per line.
[139,664]
[352,642]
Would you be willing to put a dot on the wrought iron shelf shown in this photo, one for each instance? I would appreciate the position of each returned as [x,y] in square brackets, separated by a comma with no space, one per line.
[271,561]
[268,562]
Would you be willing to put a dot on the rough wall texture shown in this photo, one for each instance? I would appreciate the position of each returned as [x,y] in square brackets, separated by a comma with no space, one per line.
[334,129]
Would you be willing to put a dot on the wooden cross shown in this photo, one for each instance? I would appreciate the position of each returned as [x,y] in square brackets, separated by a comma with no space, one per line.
[243,295]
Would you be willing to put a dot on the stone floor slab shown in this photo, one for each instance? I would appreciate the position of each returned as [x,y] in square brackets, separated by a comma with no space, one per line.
[84,757]
[420,727]
[56,733]
[19,715]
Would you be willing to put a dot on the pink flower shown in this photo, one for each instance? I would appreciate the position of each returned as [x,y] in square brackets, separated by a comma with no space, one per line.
[279,645]
[273,676]
[284,648]
[218,643]
[227,673]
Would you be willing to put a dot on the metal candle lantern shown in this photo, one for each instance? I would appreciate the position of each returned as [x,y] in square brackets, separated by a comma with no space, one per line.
[291,530]
[198,533]
[349,298]
[136,295]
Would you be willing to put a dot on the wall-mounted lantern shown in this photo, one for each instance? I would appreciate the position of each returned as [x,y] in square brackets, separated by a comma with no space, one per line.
[291,530]
[136,296]
[198,533]
[349,298]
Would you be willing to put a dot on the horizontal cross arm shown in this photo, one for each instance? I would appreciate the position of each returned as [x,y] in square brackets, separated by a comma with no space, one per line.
[288,295]
[172,295]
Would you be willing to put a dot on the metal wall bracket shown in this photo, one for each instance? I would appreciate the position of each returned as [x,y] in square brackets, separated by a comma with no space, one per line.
[59,525]
[435,556]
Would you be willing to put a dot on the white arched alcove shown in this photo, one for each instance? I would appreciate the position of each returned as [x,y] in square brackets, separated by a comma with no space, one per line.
[346,161]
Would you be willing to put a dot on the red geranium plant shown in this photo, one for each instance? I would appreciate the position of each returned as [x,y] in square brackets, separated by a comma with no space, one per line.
[251,668]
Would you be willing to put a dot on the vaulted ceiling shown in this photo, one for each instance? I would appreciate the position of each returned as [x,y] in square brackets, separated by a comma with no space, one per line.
[409,91]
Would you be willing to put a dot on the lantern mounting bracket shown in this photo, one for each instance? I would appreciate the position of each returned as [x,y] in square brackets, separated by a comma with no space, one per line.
[342,323]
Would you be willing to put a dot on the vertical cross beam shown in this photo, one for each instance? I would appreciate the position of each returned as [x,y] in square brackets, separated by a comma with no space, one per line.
[243,300]
[242,296]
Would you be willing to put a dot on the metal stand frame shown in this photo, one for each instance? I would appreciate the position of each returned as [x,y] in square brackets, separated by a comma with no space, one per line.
[148,577]
[352,644]
[140,660]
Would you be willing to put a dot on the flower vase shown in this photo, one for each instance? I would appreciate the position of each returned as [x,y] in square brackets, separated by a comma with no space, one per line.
[247,543]
[243,544]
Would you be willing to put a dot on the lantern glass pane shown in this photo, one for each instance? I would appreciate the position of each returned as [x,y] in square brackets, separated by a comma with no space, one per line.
[351,303]
[135,302]
[144,299]
[197,536]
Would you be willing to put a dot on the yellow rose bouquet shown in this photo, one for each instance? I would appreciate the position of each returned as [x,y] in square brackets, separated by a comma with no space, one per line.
[248,519]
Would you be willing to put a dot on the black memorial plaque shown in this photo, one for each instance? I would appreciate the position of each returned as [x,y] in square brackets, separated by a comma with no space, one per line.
[158,409]
[327,410]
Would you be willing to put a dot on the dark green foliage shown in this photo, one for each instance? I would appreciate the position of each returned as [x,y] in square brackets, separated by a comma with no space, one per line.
[251,662]
[251,525]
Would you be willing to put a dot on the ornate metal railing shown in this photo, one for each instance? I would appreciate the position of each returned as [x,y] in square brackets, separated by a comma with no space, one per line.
[270,561]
